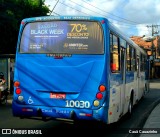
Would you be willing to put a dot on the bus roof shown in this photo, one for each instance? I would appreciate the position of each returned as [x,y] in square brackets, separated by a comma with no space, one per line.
[48,18]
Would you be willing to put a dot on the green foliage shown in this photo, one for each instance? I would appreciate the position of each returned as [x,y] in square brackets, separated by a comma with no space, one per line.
[11,14]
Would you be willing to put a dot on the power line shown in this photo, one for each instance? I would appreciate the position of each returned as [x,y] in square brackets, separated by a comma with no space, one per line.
[124,23]
[86,8]
[54,7]
[110,13]
[95,12]
[56,13]
[153,47]
[74,8]
[118,22]
[153,28]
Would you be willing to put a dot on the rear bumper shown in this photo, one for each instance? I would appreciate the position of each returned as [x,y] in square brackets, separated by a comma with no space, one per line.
[19,110]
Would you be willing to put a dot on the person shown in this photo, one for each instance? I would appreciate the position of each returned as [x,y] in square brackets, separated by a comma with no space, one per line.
[2,82]
[11,80]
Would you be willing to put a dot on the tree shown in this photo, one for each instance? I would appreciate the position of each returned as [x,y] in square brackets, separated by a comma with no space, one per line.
[11,14]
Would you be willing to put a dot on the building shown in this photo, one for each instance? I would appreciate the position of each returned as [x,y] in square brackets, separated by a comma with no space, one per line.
[152,47]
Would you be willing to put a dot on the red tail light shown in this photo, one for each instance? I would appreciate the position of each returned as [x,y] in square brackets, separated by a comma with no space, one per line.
[16,83]
[18,91]
[102,88]
[99,96]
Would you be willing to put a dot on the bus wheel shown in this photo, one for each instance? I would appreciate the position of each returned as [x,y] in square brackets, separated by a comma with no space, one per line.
[144,91]
[130,107]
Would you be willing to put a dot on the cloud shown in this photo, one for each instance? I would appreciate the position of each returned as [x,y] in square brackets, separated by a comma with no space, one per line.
[142,11]
[84,7]
[130,16]
[142,29]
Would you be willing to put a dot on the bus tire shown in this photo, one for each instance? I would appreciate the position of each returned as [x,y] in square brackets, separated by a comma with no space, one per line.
[130,107]
[144,91]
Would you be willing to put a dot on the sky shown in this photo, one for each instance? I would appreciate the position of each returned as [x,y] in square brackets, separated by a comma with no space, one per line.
[133,17]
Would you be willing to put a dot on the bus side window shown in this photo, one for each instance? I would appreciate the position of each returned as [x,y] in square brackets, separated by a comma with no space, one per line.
[143,63]
[128,63]
[133,59]
[114,55]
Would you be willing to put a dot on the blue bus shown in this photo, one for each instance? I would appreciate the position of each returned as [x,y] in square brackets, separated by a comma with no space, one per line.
[76,68]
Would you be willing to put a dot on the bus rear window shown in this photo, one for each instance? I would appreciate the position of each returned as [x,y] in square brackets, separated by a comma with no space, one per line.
[72,37]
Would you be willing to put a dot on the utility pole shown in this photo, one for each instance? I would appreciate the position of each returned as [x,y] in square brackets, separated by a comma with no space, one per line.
[153,49]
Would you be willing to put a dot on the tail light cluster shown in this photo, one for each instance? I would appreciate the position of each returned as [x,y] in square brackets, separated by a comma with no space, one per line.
[99,95]
[18,91]
[16,85]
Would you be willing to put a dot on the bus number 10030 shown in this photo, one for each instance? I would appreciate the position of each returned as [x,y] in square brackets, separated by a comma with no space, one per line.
[77,104]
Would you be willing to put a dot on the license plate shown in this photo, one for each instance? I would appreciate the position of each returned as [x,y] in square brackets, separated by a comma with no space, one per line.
[57,95]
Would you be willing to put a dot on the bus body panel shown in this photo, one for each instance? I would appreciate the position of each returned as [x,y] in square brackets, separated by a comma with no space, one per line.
[40,112]
[69,87]
[61,85]
[75,81]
